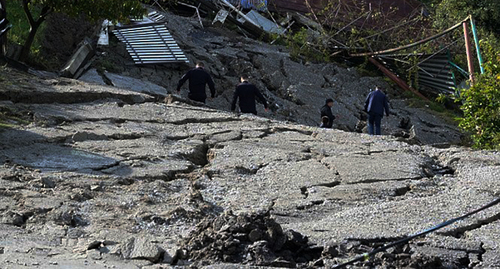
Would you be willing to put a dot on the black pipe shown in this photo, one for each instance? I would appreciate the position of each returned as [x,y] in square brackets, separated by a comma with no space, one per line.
[366,256]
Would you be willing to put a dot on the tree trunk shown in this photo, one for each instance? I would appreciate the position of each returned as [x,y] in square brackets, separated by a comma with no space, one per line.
[34,25]
[3,38]
[25,52]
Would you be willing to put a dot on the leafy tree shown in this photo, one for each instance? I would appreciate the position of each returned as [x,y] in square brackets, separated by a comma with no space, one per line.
[485,13]
[481,103]
[38,10]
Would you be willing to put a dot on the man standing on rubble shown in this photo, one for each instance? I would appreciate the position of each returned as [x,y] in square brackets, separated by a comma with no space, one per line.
[246,93]
[375,104]
[198,79]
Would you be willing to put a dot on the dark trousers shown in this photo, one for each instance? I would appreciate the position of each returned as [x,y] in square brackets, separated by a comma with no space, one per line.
[374,120]
[253,112]
[196,98]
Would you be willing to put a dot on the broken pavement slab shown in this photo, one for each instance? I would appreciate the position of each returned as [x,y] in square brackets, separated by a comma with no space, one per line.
[92,76]
[136,85]
[49,157]
[375,167]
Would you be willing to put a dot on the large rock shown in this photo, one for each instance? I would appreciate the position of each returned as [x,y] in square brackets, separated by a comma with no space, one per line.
[140,248]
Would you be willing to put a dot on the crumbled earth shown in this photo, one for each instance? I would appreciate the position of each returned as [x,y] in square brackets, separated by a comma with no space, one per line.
[295,88]
[95,176]
[251,238]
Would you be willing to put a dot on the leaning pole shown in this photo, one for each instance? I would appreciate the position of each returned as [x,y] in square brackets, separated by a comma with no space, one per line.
[468,48]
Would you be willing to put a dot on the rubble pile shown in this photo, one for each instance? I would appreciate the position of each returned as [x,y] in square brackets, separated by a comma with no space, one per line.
[249,238]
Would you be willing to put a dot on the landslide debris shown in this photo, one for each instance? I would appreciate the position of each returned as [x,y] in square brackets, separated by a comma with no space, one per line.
[248,238]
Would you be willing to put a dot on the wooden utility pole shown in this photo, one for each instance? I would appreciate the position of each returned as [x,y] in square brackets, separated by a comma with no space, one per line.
[468,48]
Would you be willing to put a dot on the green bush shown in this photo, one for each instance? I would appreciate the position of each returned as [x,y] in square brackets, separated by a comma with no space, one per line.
[481,103]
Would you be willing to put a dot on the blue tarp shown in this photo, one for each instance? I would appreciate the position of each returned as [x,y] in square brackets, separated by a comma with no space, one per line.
[260,5]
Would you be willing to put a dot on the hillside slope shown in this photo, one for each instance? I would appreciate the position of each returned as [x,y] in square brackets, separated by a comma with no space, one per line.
[107,178]
[296,89]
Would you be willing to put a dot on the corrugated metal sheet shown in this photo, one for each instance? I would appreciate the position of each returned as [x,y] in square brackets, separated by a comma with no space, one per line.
[434,73]
[156,16]
[151,44]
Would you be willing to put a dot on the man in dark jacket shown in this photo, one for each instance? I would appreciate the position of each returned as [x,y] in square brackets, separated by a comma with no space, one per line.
[246,93]
[326,111]
[375,104]
[198,79]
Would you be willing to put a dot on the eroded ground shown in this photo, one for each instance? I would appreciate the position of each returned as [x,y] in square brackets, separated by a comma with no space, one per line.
[107,178]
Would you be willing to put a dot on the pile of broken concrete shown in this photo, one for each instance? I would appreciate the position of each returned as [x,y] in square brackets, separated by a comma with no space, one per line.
[248,238]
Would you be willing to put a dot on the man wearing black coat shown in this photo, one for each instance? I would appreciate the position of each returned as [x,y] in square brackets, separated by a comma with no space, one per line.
[246,93]
[198,79]
[375,104]
[326,111]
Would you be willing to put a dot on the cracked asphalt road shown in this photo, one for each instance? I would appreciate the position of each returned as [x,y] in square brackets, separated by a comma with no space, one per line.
[104,184]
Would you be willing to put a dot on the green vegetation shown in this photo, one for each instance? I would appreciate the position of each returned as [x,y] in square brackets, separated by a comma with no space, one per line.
[36,12]
[7,120]
[486,13]
[11,119]
[436,107]
[481,103]
[480,108]
[20,28]
[302,43]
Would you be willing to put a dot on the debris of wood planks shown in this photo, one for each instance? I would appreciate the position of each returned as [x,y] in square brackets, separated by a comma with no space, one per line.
[402,84]
[303,20]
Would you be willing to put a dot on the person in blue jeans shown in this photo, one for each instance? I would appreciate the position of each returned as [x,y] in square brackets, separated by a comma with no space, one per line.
[376,103]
